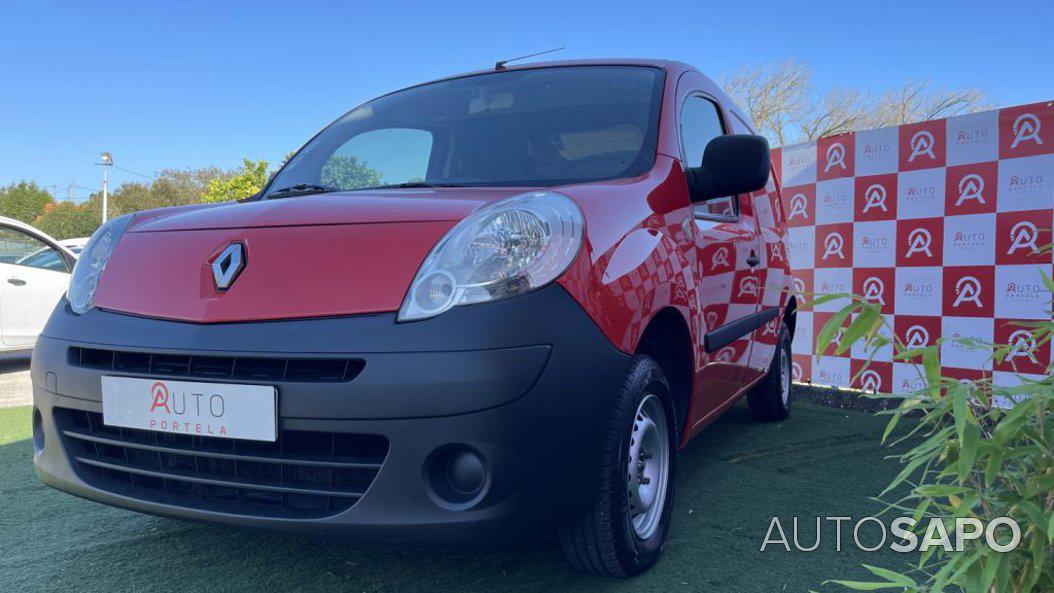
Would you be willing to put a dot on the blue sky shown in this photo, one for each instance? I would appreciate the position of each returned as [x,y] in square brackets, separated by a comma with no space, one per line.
[190,84]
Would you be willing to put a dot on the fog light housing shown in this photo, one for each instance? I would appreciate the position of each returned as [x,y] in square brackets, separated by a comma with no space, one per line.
[457,477]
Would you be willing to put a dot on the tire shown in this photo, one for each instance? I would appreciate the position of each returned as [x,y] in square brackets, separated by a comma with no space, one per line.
[769,400]
[606,540]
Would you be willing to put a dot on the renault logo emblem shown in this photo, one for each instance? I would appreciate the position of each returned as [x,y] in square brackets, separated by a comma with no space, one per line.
[227,265]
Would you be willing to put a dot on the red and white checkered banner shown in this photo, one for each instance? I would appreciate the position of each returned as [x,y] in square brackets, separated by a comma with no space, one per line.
[942,224]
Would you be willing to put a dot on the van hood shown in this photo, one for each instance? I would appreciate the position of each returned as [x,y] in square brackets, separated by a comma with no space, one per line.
[416,205]
[312,256]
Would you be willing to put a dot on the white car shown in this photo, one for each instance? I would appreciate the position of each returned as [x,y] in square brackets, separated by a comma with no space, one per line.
[34,274]
[75,245]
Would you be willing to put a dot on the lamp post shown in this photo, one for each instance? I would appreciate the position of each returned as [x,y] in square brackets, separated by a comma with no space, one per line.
[107,162]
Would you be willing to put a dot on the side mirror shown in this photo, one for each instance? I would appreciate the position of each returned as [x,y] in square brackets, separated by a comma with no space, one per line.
[732,164]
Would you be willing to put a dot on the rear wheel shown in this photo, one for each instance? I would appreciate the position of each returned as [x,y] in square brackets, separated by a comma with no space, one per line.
[624,532]
[770,399]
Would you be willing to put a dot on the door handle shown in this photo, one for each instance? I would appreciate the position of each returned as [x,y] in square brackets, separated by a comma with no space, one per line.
[16,281]
[753,260]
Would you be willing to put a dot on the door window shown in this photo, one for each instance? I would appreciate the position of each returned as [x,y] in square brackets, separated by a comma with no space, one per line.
[22,249]
[701,123]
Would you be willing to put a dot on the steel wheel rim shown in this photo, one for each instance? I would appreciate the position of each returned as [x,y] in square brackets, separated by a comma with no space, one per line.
[785,377]
[648,471]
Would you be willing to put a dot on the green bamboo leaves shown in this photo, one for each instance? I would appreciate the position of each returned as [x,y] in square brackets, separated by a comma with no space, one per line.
[974,451]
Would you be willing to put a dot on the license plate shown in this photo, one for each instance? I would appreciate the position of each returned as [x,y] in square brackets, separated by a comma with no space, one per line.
[185,407]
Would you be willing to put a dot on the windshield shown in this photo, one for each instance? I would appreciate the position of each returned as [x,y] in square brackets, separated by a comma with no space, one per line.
[533,128]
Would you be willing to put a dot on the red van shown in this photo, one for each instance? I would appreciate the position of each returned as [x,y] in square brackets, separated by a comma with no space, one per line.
[486,307]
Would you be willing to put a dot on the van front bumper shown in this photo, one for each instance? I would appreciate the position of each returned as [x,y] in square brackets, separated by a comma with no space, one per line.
[523,387]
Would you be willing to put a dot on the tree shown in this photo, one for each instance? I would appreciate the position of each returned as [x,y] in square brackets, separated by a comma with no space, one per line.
[176,187]
[171,187]
[784,106]
[841,110]
[773,96]
[348,172]
[126,198]
[237,185]
[916,101]
[66,220]
[24,201]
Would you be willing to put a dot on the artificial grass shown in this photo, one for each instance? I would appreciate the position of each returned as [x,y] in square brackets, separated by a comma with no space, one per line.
[731,480]
[14,424]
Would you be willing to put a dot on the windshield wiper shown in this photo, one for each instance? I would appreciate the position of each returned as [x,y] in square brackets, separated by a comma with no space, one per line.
[411,184]
[301,189]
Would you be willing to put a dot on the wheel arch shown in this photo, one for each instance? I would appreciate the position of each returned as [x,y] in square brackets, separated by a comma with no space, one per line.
[790,315]
[668,340]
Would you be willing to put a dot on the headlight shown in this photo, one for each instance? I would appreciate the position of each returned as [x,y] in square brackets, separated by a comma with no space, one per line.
[91,262]
[503,249]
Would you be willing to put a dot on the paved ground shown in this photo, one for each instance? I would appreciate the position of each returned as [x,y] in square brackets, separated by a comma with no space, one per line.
[731,481]
[15,389]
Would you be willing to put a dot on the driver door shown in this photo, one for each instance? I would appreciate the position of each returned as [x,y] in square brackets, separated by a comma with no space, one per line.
[34,275]
[726,243]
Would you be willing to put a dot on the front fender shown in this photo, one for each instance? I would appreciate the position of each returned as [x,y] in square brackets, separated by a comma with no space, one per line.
[638,257]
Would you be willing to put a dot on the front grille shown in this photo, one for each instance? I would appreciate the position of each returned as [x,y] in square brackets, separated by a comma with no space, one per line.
[301,475]
[317,370]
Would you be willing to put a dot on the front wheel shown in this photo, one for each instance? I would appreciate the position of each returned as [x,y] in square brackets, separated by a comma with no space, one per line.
[769,400]
[624,532]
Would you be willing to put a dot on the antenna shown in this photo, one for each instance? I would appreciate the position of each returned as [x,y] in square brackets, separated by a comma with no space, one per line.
[501,64]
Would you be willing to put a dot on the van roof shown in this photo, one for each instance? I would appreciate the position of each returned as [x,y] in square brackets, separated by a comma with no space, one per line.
[672,67]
